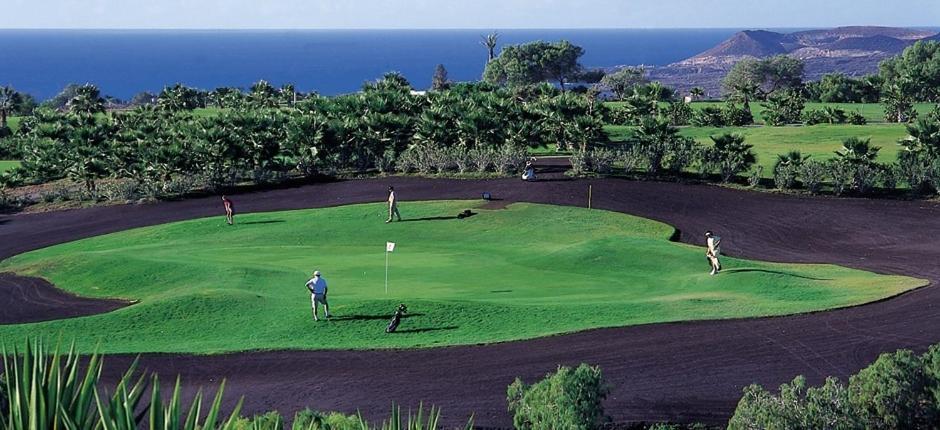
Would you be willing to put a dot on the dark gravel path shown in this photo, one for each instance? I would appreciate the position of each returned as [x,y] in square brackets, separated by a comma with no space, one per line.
[684,371]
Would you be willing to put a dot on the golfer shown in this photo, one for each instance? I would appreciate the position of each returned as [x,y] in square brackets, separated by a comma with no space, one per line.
[713,245]
[229,210]
[317,287]
[392,205]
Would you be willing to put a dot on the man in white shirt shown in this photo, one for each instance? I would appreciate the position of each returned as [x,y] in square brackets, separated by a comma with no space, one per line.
[713,250]
[392,205]
[317,287]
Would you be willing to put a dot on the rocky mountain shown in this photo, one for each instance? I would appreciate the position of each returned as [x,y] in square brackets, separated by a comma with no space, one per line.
[851,50]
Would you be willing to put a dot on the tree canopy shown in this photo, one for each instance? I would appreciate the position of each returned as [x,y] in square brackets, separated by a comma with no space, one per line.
[622,81]
[917,70]
[535,62]
[758,78]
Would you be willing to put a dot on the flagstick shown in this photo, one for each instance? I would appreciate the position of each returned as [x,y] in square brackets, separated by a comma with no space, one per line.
[386,270]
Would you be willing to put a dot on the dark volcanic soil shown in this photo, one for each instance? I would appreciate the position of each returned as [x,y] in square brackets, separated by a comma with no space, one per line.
[24,299]
[685,371]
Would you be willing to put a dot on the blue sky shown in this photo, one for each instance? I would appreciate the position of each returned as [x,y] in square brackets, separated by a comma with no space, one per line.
[484,14]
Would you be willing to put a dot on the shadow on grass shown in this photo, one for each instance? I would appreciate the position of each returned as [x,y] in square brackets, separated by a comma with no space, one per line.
[425,330]
[373,317]
[774,272]
[272,221]
[431,218]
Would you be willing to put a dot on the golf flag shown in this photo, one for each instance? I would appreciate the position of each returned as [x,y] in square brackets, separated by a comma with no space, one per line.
[389,246]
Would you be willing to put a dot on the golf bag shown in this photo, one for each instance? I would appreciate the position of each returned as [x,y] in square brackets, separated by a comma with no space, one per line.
[396,319]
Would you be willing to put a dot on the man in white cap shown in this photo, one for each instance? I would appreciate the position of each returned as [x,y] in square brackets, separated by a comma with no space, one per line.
[317,287]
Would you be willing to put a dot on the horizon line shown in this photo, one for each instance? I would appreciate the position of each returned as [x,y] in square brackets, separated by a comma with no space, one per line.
[935,26]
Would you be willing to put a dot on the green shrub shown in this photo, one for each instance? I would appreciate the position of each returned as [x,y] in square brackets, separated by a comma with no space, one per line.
[567,399]
[796,407]
[730,156]
[682,153]
[856,118]
[308,419]
[889,175]
[895,392]
[709,116]
[813,173]
[785,176]
[735,116]
[814,116]
[267,421]
[679,113]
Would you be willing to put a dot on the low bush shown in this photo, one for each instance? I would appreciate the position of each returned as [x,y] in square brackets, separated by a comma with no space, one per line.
[785,176]
[509,160]
[580,165]
[813,173]
[682,153]
[566,399]
[736,116]
[814,116]
[601,160]
[889,175]
[756,176]
[856,118]
[481,158]
[631,159]
[709,116]
[899,390]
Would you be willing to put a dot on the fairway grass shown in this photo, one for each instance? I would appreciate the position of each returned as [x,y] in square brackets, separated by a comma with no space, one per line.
[8,165]
[516,273]
[818,141]
[873,112]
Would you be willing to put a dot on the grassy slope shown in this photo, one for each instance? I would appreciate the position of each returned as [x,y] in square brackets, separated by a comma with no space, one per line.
[527,271]
[7,165]
[873,112]
[819,141]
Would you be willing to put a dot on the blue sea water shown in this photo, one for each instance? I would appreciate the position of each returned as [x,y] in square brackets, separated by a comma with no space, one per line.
[125,62]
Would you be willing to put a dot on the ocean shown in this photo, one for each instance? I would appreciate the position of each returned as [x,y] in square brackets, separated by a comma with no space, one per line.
[125,62]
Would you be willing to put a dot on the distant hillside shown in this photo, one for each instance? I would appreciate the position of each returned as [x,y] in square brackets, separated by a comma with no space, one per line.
[850,50]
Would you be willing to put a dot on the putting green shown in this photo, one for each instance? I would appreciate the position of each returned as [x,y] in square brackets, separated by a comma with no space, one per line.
[521,272]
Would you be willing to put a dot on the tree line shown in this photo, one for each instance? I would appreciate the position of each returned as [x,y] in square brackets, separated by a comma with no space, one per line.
[258,136]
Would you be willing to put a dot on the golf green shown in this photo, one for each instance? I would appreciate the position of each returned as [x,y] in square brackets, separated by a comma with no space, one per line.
[521,272]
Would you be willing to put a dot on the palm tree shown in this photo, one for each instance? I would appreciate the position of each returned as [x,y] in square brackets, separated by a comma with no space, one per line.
[730,155]
[87,101]
[9,101]
[696,93]
[289,94]
[177,98]
[745,92]
[898,103]
[489,42]
[923,136]
[858,151]
[653,138]
[834,115]
[264,95]
[792,158]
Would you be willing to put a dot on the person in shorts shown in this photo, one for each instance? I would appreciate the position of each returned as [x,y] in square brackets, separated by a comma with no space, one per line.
[713,250]
[317,287]
[229,210]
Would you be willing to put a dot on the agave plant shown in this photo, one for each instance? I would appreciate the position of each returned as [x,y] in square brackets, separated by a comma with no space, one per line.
[55,390]
[49,391]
